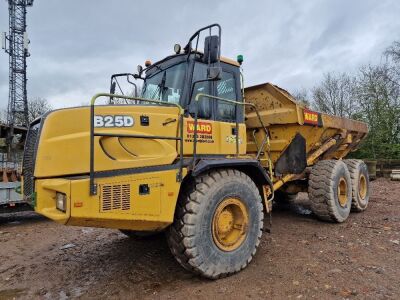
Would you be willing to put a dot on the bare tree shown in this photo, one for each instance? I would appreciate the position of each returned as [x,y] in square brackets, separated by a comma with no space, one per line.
[392,55]
[37,107]
[3,116]
[302,96]
[129,93]
[335,95]
[393,52]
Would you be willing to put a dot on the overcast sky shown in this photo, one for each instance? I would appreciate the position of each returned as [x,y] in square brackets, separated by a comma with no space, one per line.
[76,45]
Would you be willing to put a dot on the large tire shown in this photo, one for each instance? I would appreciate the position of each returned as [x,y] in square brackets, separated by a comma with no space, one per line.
[360,184]
[196,238]
[329,190]
[140,235]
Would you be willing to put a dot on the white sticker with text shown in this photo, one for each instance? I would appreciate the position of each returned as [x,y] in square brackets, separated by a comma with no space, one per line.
[113,121]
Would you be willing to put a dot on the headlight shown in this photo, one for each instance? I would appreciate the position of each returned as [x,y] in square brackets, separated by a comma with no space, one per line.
[61,201]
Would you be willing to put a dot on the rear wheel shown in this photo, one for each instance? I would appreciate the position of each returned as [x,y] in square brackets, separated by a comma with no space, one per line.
[218,224]
[360,184]
[329,190]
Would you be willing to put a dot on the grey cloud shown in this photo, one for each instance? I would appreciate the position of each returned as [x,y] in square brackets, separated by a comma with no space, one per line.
[76,45]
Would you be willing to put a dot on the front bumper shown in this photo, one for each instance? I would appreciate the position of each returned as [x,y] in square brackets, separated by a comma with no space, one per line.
[45,198]
[148,212]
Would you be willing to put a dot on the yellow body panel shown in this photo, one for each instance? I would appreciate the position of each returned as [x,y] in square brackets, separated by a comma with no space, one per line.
[63,151]
[64,141]
[153,211]
[214,137]
[46,198]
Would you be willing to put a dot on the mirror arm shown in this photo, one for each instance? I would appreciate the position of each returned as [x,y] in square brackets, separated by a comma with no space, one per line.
[137,76]
[197,34]
[134,84]
[112,89]
[115,81]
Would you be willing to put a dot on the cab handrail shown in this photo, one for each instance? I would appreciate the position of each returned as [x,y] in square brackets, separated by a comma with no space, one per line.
[236,103]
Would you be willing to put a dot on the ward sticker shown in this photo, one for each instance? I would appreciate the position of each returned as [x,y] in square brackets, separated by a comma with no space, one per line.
[113,121]
[202,127]
[204,132]
[310,117]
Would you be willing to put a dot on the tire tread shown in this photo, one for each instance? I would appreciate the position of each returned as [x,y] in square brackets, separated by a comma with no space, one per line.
[180,234]
[320,190]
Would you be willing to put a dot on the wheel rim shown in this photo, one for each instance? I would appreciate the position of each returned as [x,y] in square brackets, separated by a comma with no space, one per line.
[342,192]
[362,187]
[230,224]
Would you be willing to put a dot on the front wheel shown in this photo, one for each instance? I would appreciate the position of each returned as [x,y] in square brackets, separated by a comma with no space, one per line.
[218,224]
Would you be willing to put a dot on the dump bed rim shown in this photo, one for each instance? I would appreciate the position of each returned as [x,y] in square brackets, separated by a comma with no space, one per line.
[328,121]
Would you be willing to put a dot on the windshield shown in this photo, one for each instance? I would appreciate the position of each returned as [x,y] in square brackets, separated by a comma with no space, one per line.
[165,85]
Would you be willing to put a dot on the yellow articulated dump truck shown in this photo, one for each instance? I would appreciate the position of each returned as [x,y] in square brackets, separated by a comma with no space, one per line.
[195,155]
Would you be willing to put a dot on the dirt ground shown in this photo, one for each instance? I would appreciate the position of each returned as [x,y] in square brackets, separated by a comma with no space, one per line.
[302,258]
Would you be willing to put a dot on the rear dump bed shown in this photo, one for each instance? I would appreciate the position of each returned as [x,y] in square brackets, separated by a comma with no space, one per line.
[295,131]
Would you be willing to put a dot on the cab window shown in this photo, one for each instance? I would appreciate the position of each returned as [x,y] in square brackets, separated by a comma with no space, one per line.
[226,88]
[204,104]
[166,85]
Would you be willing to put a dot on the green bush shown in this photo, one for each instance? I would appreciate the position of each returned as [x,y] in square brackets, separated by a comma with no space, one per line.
[380,151]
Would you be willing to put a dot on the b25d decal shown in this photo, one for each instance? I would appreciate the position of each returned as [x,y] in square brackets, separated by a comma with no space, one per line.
[113,121]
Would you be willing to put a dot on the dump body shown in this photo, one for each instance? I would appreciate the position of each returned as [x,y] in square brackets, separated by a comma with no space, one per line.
[286,118]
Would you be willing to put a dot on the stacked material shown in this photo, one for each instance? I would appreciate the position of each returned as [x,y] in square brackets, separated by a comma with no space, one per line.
[395,175]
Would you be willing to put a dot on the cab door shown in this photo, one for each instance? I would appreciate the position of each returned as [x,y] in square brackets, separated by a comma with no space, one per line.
[216,129]
[226,114]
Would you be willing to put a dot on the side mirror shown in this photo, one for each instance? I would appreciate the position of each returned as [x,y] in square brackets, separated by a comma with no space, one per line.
[211,49]
[139,70]
[214,73]
[112,87]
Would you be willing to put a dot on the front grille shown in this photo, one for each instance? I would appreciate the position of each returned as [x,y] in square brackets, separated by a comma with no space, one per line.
[115,197]
[28,164]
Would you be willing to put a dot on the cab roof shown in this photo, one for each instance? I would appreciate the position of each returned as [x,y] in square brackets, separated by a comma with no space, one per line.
[230,61]
[222,58]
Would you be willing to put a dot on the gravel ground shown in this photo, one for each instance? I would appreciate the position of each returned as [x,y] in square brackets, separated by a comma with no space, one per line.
[302,258]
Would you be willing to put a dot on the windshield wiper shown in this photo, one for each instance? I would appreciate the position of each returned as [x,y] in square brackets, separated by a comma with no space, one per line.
[159,92]
[162,85]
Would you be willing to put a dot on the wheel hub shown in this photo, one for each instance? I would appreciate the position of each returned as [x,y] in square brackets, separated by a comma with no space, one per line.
[362,187]
[230,224]
[225,222]
[342,192]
